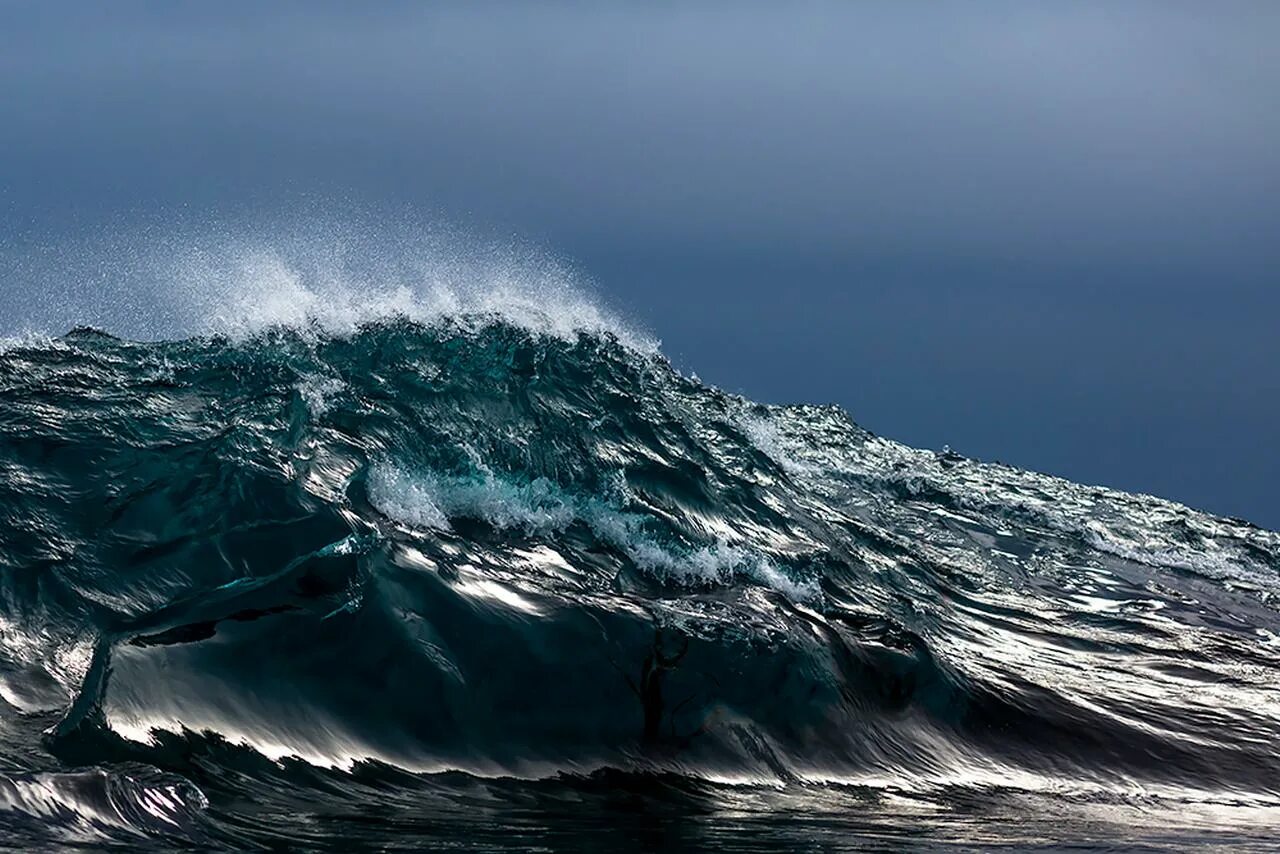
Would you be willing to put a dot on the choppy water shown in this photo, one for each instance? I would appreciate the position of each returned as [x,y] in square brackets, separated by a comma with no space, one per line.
[464,581]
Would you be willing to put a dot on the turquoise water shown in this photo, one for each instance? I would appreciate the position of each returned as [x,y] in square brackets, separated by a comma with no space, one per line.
[472,581]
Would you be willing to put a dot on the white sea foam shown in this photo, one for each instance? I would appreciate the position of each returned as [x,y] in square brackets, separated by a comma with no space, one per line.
[768,440]
[318,392]
[27,340]
[400,497]
[430,502]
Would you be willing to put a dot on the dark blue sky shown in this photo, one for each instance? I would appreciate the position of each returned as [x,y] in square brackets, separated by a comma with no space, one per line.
[1047,233]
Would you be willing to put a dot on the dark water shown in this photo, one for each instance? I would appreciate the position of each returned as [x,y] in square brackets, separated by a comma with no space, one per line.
[469,585]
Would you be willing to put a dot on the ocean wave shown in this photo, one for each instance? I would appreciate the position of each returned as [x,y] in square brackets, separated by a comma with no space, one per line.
[427,544]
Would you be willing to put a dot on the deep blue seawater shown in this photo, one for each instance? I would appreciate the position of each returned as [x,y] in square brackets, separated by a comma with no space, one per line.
[469,582]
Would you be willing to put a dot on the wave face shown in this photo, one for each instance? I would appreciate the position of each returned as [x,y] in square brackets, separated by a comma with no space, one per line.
[469,580]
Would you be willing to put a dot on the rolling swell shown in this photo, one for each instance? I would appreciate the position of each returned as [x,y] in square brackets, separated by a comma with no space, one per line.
[414,564]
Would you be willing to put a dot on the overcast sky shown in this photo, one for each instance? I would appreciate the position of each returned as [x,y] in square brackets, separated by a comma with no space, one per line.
[1046,233]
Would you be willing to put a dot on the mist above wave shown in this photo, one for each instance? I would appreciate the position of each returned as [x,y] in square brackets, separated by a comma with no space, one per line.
[315,276]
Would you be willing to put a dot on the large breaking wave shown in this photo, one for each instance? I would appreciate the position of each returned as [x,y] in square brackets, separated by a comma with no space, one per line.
[352,557]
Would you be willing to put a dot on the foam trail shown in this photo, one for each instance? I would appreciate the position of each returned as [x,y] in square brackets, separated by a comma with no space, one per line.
[429,502]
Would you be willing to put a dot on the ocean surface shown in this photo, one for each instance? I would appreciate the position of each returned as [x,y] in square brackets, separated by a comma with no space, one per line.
[343,576]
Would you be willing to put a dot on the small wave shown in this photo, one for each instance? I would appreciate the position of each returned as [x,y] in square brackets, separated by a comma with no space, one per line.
[97,806]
